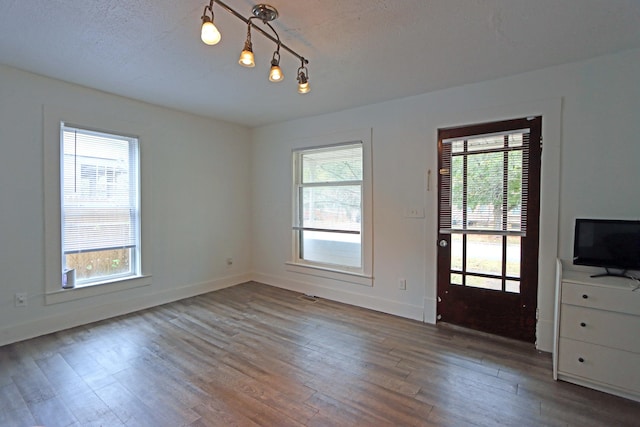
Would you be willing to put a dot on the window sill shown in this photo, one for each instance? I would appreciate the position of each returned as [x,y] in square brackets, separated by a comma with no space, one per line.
[96,289]
[329,273]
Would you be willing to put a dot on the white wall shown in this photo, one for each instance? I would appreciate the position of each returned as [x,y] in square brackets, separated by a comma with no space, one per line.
[590,168]
[218,191]
[196,185]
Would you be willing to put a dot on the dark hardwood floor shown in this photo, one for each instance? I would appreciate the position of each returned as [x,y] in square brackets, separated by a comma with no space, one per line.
[257,355]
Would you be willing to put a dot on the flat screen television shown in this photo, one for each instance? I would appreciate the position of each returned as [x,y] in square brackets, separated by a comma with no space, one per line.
[607,243]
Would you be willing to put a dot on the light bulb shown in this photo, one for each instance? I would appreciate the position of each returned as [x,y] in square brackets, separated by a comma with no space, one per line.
[275,75]
[209,34]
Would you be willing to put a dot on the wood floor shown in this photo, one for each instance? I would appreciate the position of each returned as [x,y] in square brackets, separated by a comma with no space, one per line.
[257,355]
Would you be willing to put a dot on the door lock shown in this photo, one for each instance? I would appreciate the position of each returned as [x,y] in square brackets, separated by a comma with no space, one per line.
[443,243]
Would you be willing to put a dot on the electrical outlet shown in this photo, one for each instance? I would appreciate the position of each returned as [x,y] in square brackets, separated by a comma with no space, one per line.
[402,284]
[20,299]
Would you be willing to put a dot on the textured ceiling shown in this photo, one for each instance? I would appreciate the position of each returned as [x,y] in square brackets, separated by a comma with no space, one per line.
[360,51]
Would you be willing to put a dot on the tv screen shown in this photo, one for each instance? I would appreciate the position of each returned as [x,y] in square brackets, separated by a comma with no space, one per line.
[607,243]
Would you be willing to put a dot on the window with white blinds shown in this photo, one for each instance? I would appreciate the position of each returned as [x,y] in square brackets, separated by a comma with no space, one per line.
[100,204]
[328,206]
[484,184]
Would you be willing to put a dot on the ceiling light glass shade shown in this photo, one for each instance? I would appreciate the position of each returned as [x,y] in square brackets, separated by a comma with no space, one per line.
[304,87]
[246,59]
[209,34]
[275,75]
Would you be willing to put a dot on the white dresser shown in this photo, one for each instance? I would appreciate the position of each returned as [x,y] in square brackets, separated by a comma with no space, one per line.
[597,333]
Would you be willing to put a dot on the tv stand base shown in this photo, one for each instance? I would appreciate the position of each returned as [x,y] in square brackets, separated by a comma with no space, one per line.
[623,273]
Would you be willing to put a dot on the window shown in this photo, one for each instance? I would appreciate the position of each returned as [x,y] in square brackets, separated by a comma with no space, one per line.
[489,176]
[99,205]
[330,199]
[487,189]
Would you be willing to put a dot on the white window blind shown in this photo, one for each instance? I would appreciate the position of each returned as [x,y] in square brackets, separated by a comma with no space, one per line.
[100,200]
[484,184]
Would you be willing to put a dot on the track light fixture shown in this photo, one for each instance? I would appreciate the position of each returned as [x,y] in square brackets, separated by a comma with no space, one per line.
[246,57]
[303,79]
[275,74]
[265,13]
[209,33]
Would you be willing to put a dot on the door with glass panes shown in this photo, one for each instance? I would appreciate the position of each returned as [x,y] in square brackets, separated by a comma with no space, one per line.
[489,203]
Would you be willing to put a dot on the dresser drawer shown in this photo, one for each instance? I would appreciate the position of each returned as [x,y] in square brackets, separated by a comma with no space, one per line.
[596,363]
[605,328]
[621,300]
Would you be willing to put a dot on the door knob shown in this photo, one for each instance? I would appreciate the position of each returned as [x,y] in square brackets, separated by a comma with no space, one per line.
[443,243]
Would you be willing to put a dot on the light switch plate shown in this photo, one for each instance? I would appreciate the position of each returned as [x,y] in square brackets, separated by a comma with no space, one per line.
[414,213]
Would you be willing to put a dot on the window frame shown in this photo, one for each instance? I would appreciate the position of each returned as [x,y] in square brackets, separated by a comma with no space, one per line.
[53,116]
[133,194]
[362,275]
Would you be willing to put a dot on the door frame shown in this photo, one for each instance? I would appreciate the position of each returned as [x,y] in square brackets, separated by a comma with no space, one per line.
[478,110]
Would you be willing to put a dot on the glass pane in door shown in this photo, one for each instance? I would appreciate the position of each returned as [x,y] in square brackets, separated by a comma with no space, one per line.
[513,256]
[484,254]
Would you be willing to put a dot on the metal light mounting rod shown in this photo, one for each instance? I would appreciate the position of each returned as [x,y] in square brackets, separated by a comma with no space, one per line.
[265,13]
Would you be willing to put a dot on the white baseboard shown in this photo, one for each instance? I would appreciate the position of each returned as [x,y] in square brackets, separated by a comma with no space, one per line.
[85,315]
[396,308]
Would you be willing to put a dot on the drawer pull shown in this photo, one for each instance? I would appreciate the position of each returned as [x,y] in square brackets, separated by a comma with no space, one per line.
[585,296]
[581,359]
[583,324]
